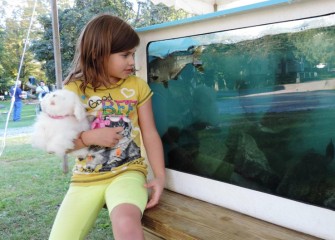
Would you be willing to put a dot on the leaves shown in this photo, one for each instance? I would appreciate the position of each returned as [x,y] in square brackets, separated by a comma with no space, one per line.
[39,57]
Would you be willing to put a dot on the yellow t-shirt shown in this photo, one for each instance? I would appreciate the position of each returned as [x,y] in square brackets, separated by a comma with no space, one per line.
[112,107]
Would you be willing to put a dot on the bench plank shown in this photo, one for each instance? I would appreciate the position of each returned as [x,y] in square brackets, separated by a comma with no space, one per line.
[181,217]
[149,235]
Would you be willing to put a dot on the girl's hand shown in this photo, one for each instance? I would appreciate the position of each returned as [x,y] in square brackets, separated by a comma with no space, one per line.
[104,137]
[157,187]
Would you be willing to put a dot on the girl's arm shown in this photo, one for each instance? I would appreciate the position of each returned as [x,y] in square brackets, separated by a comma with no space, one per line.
[154,150]
[105,137]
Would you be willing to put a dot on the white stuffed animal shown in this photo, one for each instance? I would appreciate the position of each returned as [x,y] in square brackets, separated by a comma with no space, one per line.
[61,120]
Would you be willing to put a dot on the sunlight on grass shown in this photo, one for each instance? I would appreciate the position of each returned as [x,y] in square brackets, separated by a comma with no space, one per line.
[28,115]
[32,188]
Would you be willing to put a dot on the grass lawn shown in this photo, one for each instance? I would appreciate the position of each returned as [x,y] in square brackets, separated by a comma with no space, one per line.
[28,114]
[32,187]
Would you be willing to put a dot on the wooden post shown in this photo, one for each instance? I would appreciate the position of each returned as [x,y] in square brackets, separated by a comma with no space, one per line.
[65,164]
[57,57]
[56,44]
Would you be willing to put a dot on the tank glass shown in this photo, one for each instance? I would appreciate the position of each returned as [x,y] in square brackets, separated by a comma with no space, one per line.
[253,107]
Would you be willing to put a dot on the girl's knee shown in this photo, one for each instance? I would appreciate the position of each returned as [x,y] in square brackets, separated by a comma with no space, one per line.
[126,222]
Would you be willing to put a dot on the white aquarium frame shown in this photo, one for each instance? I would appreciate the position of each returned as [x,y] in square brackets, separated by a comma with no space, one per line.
[316,221]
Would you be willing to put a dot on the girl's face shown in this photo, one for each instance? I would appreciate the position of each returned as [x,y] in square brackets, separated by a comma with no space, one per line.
[121,65]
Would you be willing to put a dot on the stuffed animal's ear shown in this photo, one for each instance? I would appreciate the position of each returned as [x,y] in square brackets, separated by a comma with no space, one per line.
[79,110]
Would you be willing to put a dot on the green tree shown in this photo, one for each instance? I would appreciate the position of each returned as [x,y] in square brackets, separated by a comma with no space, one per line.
[14,28]
[151,14]
[80,13]
[3,85]
[39,57]
[315,46]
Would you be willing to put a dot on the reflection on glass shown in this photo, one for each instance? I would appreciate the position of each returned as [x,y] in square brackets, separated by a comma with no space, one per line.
[254,107]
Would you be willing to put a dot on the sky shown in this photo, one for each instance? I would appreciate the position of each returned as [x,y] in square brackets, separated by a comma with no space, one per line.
[12,3]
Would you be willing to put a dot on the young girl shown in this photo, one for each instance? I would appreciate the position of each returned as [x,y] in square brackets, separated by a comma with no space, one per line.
[119,105]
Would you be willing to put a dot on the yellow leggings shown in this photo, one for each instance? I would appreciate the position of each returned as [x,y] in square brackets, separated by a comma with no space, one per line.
[82,204]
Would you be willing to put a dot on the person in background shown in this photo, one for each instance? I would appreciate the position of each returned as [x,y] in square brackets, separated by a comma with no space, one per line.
[41,90]
[114,171]
[17,100]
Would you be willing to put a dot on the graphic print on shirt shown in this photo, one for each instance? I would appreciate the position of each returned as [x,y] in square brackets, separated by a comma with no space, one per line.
[111,113]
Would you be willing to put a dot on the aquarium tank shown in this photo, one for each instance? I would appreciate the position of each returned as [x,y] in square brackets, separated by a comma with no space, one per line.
[253,107]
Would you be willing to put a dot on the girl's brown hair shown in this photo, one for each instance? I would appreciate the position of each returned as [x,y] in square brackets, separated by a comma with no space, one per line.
[101,37]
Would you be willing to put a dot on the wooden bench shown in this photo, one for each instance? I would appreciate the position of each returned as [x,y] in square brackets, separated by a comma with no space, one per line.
[181,217]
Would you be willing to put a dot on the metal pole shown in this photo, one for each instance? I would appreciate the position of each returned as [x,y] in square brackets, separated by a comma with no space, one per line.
[56,43]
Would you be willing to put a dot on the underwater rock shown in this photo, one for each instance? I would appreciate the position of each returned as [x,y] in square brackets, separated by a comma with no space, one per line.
[304,177]
[330,151]
[241,181]
[183,148]
[182,159]
[211,143]
[171,136]
[198,126]
[188,139]
[224,172]
[205,165]
[275,123]
[212,151]
[175,136]
[234,132]
[314,163]
[330,201]
[251,162]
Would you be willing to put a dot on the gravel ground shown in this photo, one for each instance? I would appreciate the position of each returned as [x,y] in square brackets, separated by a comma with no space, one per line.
[17,131]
